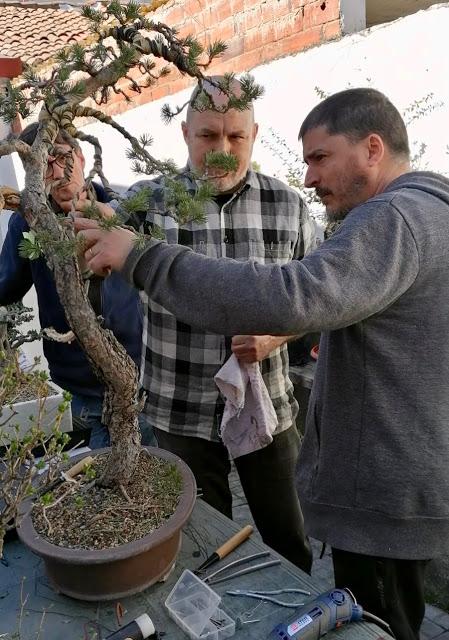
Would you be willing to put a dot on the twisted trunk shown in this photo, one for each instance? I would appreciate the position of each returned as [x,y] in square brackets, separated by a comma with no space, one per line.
[110,361]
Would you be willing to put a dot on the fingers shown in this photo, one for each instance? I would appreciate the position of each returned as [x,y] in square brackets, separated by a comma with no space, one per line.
[87,240]
[102,208]
[91,248]
[251,348]
[104,250]
[80,223]
[96,259]
[96,263]
[243,348]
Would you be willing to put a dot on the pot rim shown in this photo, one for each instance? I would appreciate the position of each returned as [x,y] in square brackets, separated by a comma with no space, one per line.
[29,536]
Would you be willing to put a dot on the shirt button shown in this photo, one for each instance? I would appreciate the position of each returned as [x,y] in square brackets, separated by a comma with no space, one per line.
[225,239]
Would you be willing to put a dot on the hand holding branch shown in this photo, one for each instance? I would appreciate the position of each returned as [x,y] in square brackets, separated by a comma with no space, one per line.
[104,250]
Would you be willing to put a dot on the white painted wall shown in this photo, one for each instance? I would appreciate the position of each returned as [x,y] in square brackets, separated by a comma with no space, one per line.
[407,59]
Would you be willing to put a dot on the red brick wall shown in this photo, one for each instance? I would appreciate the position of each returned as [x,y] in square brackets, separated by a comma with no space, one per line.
[256,32]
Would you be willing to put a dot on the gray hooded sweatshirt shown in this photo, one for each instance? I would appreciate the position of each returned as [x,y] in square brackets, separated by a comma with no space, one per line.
[373,473]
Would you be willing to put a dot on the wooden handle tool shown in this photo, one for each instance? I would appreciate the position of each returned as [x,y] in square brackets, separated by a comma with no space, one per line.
[79,467]
[226,548]
[67,475]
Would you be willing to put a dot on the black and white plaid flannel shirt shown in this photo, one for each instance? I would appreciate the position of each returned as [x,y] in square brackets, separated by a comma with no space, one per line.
[265,221]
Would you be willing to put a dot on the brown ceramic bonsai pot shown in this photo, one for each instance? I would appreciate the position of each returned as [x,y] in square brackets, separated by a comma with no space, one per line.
[108,574]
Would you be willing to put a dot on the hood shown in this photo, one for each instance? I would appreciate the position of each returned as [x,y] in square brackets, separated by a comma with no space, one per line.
[426,181]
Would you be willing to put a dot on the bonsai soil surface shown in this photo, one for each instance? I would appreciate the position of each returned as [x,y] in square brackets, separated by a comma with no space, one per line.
[87,516]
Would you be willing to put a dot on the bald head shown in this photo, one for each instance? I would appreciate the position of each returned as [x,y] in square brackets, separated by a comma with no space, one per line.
[211,125]
[211,97]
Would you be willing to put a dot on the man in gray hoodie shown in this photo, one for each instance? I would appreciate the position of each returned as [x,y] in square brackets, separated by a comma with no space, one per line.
[373,473]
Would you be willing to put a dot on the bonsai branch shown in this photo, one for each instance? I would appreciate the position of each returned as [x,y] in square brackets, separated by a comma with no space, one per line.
[52,334]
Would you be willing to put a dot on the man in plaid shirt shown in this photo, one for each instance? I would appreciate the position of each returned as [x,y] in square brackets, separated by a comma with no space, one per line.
[253,217]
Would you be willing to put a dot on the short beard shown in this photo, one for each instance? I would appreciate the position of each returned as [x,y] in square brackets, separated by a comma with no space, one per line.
[354,198]
[336,216]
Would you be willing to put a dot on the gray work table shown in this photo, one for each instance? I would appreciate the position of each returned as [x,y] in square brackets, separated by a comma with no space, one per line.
[23,579]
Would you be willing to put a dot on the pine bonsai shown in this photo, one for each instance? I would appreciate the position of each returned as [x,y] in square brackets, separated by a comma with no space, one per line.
[124,40]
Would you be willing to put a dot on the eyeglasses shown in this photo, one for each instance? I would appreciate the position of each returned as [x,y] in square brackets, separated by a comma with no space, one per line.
[60,158]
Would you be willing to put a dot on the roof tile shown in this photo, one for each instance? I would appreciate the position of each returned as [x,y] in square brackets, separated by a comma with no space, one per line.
[36,34]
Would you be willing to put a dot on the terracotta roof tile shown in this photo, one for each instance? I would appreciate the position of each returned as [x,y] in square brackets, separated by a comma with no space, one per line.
[36,34]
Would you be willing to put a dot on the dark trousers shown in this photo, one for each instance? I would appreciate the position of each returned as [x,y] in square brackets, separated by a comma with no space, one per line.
[268,481]
[390,589]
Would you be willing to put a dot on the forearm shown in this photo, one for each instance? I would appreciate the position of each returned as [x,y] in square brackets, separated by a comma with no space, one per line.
[341,283]
[279,341]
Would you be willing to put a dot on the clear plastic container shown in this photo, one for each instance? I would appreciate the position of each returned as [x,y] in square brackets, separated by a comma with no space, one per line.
[193,605]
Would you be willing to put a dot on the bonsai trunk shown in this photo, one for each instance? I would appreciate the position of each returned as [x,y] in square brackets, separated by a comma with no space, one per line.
[110,361]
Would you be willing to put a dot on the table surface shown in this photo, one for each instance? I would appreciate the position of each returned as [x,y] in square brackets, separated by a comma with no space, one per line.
[22,579]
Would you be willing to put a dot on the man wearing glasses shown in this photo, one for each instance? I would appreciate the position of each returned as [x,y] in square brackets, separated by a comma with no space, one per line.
[112,299]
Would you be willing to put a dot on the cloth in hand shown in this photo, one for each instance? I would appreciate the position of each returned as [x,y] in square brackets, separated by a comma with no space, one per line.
[249,418]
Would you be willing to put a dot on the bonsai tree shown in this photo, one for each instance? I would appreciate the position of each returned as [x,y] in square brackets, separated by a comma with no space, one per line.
[123,41]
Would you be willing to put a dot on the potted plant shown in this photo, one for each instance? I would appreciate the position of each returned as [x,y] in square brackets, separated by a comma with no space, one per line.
[124,39]
[21,441]
[28,395]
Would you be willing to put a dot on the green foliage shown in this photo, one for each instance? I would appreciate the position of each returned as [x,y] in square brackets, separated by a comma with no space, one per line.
[194,52]
[93,213]
[13,102]
[216,49]
[95,16]
[11,318]
[61,247]
[29,246]
[46,499]
[122,39]
[167,114]
[218,160]
[90,472]
[184,206]
[250,91]
[19,467]
[145,140]
[138,202]
[79,502]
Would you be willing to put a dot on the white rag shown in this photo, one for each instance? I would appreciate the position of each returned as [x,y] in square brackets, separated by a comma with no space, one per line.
[249,418]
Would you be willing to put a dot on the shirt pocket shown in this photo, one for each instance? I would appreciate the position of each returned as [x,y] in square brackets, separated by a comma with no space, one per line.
[270,252]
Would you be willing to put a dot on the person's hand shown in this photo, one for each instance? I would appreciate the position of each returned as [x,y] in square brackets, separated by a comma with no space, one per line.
[103,209]
[104,250]
[255,348]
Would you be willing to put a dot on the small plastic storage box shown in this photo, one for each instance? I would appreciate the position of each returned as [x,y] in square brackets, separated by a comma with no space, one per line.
[194,607]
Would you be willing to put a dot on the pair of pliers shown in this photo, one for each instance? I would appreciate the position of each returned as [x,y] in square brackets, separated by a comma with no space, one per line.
[266,596]
[212,579]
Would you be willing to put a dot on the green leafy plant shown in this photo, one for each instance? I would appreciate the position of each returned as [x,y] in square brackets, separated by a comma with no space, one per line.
[20,467]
